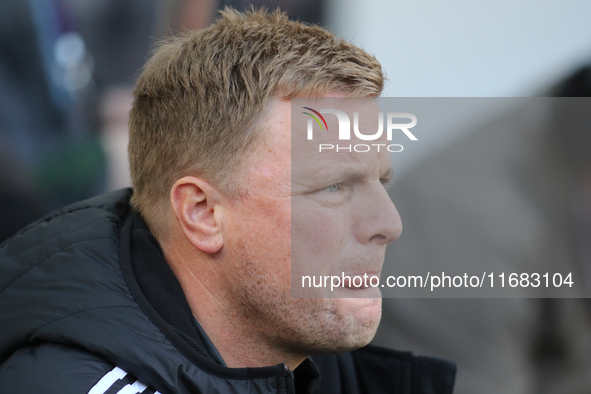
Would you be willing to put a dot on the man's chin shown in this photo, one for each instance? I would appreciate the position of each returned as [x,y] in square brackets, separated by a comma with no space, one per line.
[347,324]
[362,317]
[366,311]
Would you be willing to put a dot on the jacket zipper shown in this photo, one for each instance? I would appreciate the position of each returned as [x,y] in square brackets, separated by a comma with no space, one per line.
[290,380]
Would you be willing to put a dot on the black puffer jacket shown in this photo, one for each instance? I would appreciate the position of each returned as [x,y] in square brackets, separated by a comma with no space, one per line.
[88,305]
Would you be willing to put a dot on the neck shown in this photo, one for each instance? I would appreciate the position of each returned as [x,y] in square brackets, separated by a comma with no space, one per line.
[239,340]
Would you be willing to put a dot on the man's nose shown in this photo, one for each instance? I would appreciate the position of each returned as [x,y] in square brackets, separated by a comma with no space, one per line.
[381,223]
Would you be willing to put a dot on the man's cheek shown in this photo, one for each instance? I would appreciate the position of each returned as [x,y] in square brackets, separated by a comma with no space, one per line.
[316,243]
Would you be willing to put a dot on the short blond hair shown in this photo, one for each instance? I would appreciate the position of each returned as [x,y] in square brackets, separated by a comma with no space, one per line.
[198,100]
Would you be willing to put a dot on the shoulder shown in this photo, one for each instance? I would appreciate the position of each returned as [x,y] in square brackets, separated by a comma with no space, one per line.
[51,368]
[79,222]
[77,230]
[110,207]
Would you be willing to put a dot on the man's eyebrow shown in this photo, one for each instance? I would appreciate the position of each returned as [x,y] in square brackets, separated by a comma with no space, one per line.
[351,175]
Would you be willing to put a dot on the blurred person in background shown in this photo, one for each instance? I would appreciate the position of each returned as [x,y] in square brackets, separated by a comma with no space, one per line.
[66,73]
[513,196]
[46,95]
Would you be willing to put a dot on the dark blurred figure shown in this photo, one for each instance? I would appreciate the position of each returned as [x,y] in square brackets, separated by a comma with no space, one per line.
[119,34]
[514,196]
[32,109]
[61,63]
[46,101]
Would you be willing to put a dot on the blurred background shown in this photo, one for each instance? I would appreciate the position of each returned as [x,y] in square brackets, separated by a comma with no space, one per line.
[67,69]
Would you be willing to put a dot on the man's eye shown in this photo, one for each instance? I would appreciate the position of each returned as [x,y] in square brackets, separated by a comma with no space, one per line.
[332,188]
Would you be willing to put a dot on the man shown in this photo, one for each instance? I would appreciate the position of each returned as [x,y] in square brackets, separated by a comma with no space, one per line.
[187,289]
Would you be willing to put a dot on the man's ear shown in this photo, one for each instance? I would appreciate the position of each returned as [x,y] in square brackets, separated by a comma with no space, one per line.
[196,206]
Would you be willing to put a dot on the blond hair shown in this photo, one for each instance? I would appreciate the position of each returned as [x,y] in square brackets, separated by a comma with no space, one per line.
[198,100]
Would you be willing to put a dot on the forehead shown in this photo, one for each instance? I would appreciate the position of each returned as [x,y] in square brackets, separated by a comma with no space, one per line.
[336,134]
[287,149]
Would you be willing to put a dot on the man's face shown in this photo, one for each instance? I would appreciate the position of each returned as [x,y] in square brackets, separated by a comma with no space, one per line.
[316,214]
